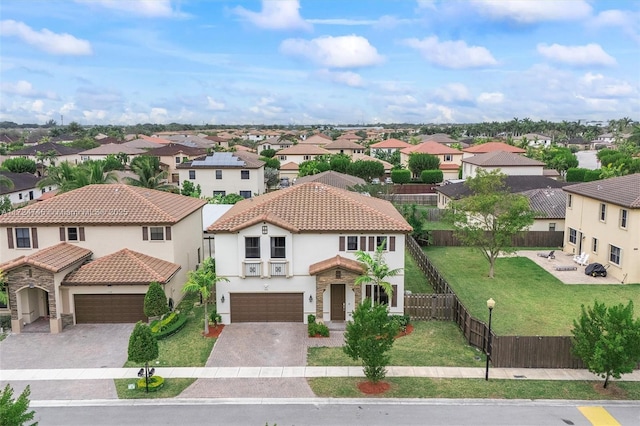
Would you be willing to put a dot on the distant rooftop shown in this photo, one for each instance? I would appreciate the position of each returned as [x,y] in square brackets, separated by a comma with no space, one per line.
[223,159]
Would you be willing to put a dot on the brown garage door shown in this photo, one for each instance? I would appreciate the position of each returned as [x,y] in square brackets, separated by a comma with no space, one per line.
[109,308]
[266,307]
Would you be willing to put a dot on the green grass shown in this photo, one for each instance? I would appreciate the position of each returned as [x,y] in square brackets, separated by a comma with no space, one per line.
[187,348]
[414,280]
[432,343]
[171,388]
[529,300]
[418,387]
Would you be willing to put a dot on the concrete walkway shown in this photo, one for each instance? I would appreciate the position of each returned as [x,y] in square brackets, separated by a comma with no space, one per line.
[303,372]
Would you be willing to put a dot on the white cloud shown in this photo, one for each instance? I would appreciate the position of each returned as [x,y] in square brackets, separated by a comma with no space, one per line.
[532,11]
[24,88]
[276,15]
[45,40]
[158,115]
[599,86]
[452,54]
[266,108]
[349,78]
[146,8]
[427,4]
[350,51]
[453,92]
[590,54]
[37,105]
[627,21]
[490,98]
[94,116]
[212,104]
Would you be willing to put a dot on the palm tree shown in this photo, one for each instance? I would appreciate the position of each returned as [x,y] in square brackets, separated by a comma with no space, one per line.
[59,176]
[377,271]
[68,177]
[203,281]
[149,175]
[6,182]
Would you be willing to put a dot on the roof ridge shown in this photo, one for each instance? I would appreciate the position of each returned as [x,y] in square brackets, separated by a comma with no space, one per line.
[137,194]
[136,257]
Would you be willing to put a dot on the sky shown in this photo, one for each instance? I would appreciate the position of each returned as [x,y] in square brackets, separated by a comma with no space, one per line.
[300,62]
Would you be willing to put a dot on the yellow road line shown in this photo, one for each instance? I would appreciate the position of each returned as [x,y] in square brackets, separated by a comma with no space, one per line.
[598,416]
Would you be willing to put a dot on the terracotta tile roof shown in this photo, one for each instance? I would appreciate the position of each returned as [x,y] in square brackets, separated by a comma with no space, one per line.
[241,148]
[317,139]
[336,262]
[360,156]
[439,138]
[141,144]
[502,158]
[430,147]
[494,146]
[290,166]
[59,149]
[121,268]
[300,149]
[623,190]
[547,203]
[176,148]
[107,204]
[54,258]
[112,148]
[339,180]
[391,143]
[156,140]
[343,144]
[314,207]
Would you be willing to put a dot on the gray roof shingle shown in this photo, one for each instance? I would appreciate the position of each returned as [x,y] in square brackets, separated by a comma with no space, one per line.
[623,190]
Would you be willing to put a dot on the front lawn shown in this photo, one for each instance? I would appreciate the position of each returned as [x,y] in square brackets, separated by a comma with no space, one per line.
[432,343]
[414,280]
[422,387]
[529,300]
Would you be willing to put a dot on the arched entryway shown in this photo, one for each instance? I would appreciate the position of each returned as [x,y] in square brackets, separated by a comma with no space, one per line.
[33,309]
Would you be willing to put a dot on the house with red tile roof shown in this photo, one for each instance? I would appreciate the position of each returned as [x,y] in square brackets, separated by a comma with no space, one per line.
[300,153]
[484,148]
[344,146]
[319,139]
[509,163]
[174,154]
[88,255]
[450,158]
[292,252]
[388,146]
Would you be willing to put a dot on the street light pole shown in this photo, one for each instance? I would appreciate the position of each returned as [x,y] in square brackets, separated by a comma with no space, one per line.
[490,304]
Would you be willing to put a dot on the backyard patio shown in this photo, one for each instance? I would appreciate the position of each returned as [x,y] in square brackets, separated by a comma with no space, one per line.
[565,260]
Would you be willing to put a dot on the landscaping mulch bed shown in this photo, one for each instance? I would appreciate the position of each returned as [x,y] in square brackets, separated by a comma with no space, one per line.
[406,332]
[371,388]
[214,331]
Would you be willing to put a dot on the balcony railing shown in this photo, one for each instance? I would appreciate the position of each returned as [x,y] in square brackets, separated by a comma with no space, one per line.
[252,268]
[278,268]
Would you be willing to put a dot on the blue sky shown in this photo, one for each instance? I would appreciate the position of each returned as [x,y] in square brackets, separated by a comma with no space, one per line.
[317,62]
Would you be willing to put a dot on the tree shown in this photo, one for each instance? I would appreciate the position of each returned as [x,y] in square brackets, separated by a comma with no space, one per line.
[271,177]
[369,337]
[15,412]
[143,347]
[191,190]
[272,163]
[155,301]
[203,281]
[490,217]
[5,204]
[376,272]
[419,162]
[366,169]
[401,176]
[340,163]
[149,174]
[111,162]
[268,153]
[607,339]
[6,182]
[19,165]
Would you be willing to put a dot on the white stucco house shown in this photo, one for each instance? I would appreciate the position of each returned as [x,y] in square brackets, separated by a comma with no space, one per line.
[291,253]
[25,188]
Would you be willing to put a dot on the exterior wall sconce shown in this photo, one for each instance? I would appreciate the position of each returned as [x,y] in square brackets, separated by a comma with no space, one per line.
[222,299]
[265,230]
[310,299]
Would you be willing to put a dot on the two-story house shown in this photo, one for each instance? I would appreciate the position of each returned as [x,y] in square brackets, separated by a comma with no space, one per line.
[59,153]
[344,146]
[509,163]
[450,158]
[603,221]
[25,187]
[101,152]
[173,154]
[88,255]
[388,146]
[485,148]
[223,173]
[300,153]
[292,252]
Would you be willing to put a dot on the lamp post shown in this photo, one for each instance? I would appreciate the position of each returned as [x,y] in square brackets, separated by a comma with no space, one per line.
[490,304]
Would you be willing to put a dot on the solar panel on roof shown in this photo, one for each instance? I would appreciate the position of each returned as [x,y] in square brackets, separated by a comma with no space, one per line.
[220,159]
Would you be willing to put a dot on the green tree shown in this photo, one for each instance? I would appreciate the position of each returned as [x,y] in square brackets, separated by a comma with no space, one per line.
[432,176]
[111,162]
[312,167]
[490,217]
[268,153]
[203,281]
[366,169]
[84,143]
[419,162]
[376,272]
[6,182]
[340,163]
[401,176]
[15,412]
[61,176]
[143,346]
[272,163]
[271,177]
[19,165]
[46,157]
[369,337]
[155,301]
[4,298]
[149,174]
[607,339]
[5,204]
[191,190]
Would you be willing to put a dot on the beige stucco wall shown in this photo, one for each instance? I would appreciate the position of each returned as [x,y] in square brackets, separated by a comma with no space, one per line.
[543,224]
[231,181]
[584,217]
[470,170]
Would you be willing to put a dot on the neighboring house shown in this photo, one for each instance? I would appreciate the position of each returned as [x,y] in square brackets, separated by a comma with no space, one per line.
[603,220]
[509,163]
[142,144]
[88,255]
[291,253]
[154,139]
[300,153]
[193,141]
[274,143]
[218,141]
[211,213]
[62,153]
[578,142]
[388,146]
[485,148]
[319,139]
[289,170]
[450,158]
[223,173]
[174,154]
[344,146]
[442,138]
[101,152]
[534,139]
[25,187]
[339,180]
[387,166]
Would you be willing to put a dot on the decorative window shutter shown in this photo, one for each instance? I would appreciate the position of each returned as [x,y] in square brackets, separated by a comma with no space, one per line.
[394,297]
[363,243]
[367,291]
[81,232]
[392,243]
[10,237]
[145,233]
[167,233]
[62,234]
[372,243]
[34,237]
[341,245]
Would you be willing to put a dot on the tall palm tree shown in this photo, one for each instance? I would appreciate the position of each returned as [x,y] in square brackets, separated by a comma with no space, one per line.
[149,175]
[377,272]
[203,281]
[6,182]
[59,176]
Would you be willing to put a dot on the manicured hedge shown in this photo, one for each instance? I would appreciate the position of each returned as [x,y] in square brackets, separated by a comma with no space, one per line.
[592,175]
[155,383]
[575,174]
[173,326]
[401,176]
[432,176]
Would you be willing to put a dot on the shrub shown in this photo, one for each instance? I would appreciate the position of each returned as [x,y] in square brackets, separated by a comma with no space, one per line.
[432,176]
[575,174]
[155,383]
[322,330]
[176,324]
[5,322]
[401,176]
[592,175]
[155,301]
[401,320]
[215,317]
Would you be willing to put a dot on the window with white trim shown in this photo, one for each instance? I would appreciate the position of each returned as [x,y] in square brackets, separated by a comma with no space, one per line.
[552,227]
[222,193]
[352,243]
[218,174]
[245,194]
[624,215]
[615,254]
[178,160]
[448,157]
[573,236]
[192,174]
[603,212]
[72,234]
[594,245]
[23,238]
[156,233]
[244,174]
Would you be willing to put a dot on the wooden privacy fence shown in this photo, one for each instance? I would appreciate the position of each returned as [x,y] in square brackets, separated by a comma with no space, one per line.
[506,351]
[420,199]
[525,239]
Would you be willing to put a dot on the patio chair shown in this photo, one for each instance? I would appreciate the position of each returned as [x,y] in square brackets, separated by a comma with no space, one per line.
[549,255]
[578,259]
[584,261]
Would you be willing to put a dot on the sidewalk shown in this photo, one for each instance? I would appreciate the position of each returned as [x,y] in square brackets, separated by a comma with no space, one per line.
[303,372]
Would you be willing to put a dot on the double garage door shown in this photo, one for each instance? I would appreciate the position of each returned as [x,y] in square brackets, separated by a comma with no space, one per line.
[109,308]
[267,307]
